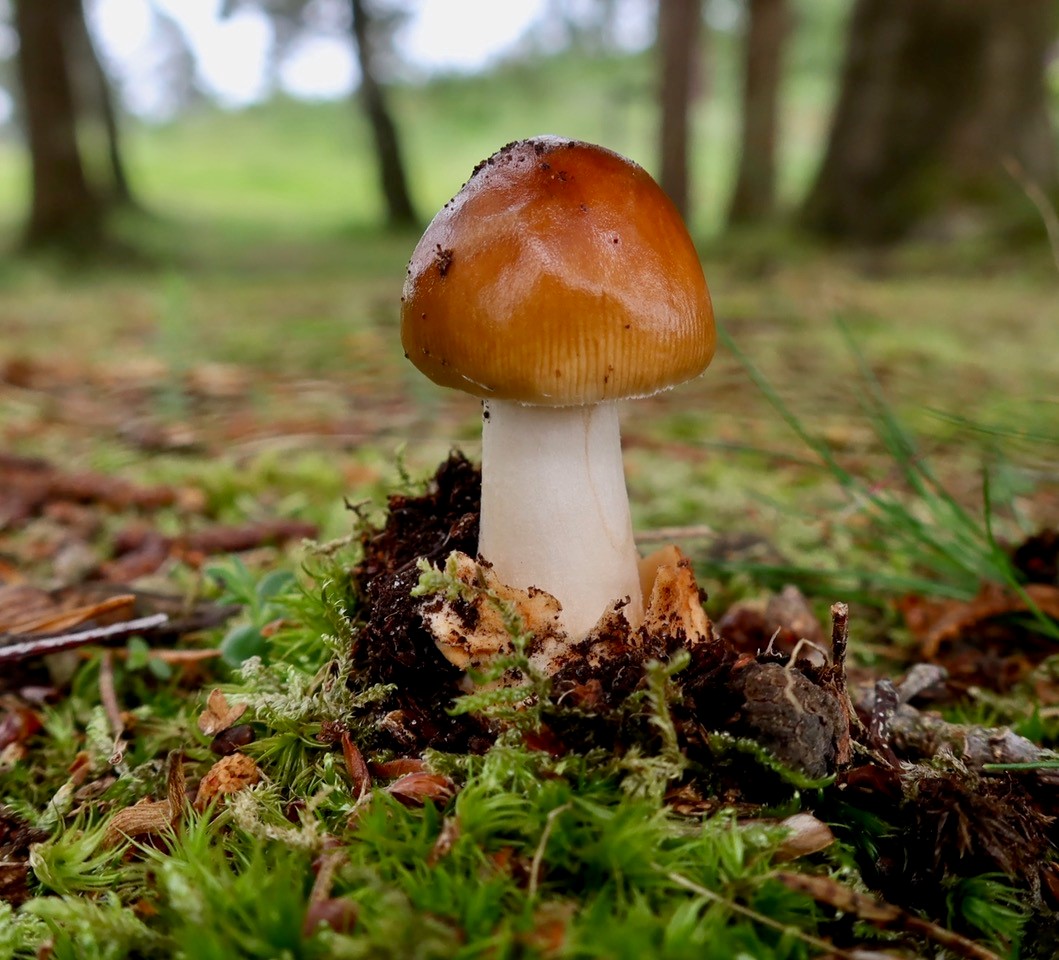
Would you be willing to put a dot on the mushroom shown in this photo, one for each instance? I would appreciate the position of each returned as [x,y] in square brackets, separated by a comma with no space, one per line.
[558,281]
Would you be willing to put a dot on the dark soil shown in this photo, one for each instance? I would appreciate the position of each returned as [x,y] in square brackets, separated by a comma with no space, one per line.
[939,813]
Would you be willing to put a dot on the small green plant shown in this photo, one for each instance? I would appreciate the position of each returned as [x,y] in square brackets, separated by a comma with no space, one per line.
[78,859]
[258,597]
[990,907]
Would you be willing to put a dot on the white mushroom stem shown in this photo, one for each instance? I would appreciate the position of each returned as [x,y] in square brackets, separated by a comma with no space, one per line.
[555,511]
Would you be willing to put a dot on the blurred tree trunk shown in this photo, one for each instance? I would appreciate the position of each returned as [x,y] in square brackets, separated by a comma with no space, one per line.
[754,198]
[677,47]
[937,96]
[399,208]
[96,103]
[65,210]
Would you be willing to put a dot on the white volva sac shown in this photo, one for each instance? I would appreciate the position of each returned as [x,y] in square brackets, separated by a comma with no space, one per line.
[555,511]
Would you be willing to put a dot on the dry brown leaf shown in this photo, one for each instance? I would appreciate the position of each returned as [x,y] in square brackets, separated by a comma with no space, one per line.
[391,769]
[356,767]
[152,816]
[806,834]
[937,623]
[415,789]
[218,715]
[447,836]
[19,722]
[110,610]
[338,913]
[80,767]
[218,381]
[547,936]
[228,775]
[20,602]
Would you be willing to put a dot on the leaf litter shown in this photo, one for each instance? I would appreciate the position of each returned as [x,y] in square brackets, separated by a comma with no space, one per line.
[755,716]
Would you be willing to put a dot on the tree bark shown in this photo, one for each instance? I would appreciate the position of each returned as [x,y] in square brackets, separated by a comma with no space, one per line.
[64,209]
[97,104]
[399,208]
[754,198]
[936,96]
[678,37]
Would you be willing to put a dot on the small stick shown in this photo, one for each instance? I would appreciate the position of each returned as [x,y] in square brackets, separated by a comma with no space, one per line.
[923,734]
[538,854]
[840,638]
[883,709]
[1039,199]
[108,697]
[881,914]
[707,894]
[42,646]
[694,532]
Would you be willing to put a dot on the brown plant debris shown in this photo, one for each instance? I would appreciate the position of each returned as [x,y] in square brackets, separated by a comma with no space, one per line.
[940,623]
[1037,557]
[219,715]
[31,611]
[991,641]
[956,817]
[152,817]
[16,837]
[356,766]
[140,551]
[28,485]
[415,789]
[918,735]
[228,775]
[805,835]
[880,914]
[778,623]
[739,705]
[393,646]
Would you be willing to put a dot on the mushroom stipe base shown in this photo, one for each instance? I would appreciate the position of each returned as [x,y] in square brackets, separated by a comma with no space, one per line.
[395,647]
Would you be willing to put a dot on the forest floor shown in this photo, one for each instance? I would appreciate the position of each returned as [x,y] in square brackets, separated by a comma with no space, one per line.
[181,446]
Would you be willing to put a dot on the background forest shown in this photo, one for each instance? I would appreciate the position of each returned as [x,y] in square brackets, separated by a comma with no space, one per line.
[206,208]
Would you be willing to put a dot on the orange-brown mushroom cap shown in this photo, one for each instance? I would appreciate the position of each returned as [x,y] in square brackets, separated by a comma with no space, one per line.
[560,274]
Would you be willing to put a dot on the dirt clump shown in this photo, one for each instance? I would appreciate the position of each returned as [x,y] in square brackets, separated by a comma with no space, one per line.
[424,646]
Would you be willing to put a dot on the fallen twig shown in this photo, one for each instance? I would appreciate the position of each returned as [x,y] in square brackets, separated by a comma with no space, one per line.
[15,648]
[921,734]
[698,531]
[881,914]
[707,894]
[108,697]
